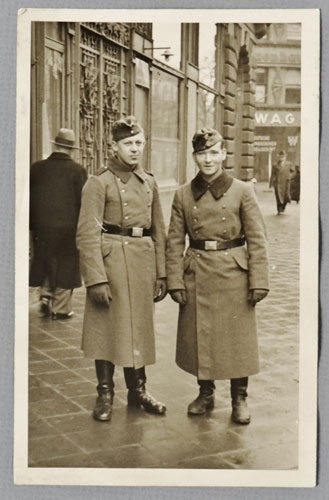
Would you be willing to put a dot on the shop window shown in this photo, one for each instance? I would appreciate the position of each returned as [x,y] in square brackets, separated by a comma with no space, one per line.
[206,109]
[54,99]
[260,94]
[54,31]
[261,85]
[207,49]
[165,119]
[294,31]
[292,96]
[167,35]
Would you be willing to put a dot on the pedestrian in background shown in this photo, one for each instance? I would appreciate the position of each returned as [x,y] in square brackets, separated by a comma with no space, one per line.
[55,197]
[295,184]
[121,238]
[280,180]
[220,279]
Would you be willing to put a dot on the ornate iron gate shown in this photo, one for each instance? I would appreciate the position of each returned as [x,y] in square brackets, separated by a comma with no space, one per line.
[103,88]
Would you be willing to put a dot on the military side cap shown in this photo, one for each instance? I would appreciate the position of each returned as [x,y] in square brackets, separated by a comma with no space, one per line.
[205,138]
[126,127]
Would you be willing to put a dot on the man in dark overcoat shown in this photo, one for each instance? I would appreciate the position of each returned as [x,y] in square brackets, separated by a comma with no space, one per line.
[55,197]
[121,238]
[280,180]
[219,279]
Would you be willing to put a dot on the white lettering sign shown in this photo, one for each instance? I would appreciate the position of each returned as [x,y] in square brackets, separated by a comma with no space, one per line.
[290,119]
[292,140]
[277,118]
[261,118]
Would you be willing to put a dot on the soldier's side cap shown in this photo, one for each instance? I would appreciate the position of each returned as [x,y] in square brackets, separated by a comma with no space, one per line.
[205,138]
[125,127]
[282,153]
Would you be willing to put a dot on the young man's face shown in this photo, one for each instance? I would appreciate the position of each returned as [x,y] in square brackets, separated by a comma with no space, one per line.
[209,162]
[130,149]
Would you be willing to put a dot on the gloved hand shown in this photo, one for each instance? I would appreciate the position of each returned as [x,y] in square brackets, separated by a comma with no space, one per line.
[256,295]
[160,289]
[100,294]
[178,296]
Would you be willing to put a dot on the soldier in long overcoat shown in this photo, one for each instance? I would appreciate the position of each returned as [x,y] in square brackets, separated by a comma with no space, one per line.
[219,279]
[55,197]
[280,180]
[121,239]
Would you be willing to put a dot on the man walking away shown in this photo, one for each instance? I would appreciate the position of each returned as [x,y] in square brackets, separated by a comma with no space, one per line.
[55,197]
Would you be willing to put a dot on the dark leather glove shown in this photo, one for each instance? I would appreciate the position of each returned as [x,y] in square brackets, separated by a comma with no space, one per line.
[256,295]
[100,294]
[178,296]
[160,289]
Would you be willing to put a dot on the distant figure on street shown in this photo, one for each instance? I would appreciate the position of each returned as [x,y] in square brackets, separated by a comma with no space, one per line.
[280,180]
[121,238]
[219,279]
[55,196]
[295,185]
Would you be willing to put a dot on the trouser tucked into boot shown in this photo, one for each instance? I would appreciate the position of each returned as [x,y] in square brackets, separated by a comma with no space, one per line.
[240,411]
[205,400]
[137,394]
[105,389]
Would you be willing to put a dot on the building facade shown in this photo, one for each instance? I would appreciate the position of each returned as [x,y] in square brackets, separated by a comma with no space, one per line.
[86,75]
[278,97]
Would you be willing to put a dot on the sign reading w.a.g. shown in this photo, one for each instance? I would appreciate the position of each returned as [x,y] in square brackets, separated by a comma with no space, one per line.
[277,118]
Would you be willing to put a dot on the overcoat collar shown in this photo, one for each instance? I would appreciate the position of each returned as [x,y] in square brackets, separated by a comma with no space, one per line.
[57,155]
[217,187]
[118,168]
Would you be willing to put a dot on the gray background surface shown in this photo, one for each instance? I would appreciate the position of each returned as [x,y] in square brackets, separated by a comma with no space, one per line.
[8,490]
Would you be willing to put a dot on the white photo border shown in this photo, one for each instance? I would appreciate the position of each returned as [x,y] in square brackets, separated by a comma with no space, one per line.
[305,476]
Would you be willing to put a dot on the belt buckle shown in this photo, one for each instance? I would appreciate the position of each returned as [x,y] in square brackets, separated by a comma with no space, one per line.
[137,232]
[210,245]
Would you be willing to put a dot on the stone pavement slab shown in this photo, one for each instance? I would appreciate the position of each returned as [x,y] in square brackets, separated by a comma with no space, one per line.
[62,432]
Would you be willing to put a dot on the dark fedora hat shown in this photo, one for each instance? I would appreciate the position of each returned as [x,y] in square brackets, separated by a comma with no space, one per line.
[65,138]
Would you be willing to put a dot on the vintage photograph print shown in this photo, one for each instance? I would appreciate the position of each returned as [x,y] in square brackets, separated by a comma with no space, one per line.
[166,247]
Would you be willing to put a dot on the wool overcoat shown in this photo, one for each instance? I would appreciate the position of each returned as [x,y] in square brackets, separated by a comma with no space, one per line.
[124,332]
[217,337]
[280,180]
[55,197]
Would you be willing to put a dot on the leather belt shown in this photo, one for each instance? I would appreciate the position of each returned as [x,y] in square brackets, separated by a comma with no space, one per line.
[136,232]
[216,245]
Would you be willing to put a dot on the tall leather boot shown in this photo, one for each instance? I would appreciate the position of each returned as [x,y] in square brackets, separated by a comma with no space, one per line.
[205,400]
[137,394]
[104,401]
[240,410]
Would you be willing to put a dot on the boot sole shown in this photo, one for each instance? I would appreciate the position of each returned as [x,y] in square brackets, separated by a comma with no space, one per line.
[208,408]
[241,422]
[149,410]
[102,419]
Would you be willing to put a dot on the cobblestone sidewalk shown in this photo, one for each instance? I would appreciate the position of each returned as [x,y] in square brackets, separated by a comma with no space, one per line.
[62,432]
